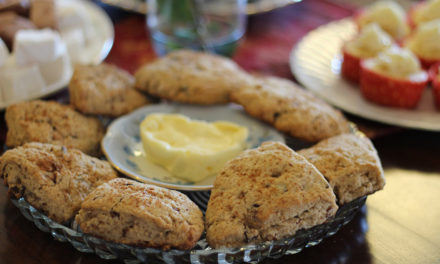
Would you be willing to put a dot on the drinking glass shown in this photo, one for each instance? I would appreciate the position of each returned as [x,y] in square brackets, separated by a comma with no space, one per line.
[208,25]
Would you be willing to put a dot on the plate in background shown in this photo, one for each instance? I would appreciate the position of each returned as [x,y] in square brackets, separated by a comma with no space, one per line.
[318,66]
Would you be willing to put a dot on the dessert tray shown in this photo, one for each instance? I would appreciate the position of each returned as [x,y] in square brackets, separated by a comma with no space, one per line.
[318,67]
[201,253]
[123,148]
[94,52]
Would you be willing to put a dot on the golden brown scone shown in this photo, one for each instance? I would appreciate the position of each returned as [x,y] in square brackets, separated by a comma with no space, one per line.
[350,163]
[191,77]
[129,212]
[51,122]
[266,194]
[104,90]
[290,109]
[54,179]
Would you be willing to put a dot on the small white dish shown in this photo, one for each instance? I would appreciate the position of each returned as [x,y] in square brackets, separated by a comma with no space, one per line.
[94,52]
[123,147]
[318,68]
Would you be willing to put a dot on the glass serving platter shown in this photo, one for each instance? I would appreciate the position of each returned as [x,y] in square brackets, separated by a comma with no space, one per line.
[201,253]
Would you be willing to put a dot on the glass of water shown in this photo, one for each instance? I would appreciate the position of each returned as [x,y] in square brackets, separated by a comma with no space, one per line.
[208,25]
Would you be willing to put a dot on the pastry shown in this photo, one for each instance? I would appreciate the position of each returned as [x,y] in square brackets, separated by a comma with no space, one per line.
[368,43]
[143,215]
[434,76]
[266,194]
[424,43]
[104,90]
[393,78]
[51,122]
[290,109]
[190,77]
[349,163]
[54,179]
[424,11]
[390,16]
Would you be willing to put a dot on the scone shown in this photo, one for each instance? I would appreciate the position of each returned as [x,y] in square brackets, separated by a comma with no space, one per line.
[190,77]
[143,215]
[266,194]
[104,90]
[54,179]
[350,163]
[290,109]
[51,122]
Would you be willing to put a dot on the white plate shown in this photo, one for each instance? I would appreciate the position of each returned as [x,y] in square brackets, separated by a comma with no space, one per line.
[123,147]
[94,53]
[99,47]
[316,63]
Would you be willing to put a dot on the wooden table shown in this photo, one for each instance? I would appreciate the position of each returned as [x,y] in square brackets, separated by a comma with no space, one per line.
[400,224]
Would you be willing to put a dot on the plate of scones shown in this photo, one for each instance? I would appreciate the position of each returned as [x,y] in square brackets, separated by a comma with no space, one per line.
[280,168]
[381,64]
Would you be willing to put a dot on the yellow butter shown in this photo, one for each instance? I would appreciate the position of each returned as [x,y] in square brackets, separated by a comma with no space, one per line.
[190,149]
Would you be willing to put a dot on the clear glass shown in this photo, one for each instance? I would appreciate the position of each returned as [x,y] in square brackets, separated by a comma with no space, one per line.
[201,253]
[209,25]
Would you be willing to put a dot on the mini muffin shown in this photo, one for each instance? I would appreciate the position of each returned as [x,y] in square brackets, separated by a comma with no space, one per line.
[266,194]
[143,215]
[350,164]
[393,78]
[290,109]
[425,43]
[191,77]
[104,90]
[434,76]
[51,122]
[423,12]
[389,15]
[368,43]
[53,179]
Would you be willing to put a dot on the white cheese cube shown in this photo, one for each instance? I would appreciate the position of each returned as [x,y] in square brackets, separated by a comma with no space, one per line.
[37,46]
[18,83]
[4,53]
[55,71]
[75,42]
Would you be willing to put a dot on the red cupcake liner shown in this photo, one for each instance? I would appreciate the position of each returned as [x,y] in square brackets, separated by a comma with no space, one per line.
[351,66]
[388,91]
[435,82]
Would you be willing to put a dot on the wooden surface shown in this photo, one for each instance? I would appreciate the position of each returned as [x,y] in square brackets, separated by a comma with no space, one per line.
[400,224]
